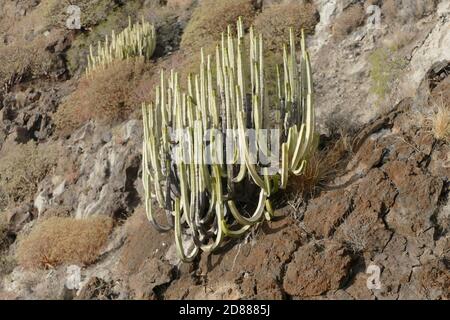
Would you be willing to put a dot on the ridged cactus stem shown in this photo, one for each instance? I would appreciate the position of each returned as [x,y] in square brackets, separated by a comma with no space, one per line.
[204,199]
[138,40]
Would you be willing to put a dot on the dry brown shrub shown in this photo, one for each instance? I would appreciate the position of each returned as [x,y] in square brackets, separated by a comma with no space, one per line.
[23,166]
[389,10]
[106,96]
[211,18]
[58,210]
[27,59]
[275,21]
[57,241]
[348,21]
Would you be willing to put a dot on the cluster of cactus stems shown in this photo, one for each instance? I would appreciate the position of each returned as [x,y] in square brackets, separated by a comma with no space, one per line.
[209,201]
[137,40]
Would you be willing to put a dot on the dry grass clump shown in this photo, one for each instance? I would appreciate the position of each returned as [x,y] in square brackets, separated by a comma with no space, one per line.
[22,167]
[322,168]
[439,122]
[105,95]
[211,18]
[348,21]
[355,232]
[57,241]
[275,21]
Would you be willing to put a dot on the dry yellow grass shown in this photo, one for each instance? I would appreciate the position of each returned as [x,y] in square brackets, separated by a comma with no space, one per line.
[440,123]
[58,240]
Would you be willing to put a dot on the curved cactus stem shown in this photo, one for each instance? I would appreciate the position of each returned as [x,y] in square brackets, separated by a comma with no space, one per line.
[234,233]
[300,148]
[243,143]
[300,169]
[270,213]
[257,215]
[284,165]
[267,182]
[201,197]
[241,175]
[219,210]
[150,216]
[291,141]
[179,239]
[219,232]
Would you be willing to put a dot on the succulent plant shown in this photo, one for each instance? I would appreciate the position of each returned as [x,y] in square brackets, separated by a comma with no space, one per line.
[199,163]
[137,40]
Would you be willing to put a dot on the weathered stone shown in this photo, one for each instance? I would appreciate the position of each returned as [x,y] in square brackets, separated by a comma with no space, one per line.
[364,229]
[325,213]
[440,162]
[417,200]
[18,217]
[153,274]
[317,268]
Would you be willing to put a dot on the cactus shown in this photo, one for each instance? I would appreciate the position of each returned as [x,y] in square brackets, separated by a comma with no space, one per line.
[203,199]
[137,40]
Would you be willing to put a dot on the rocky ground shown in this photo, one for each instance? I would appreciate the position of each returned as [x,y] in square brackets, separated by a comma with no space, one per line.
[386,206]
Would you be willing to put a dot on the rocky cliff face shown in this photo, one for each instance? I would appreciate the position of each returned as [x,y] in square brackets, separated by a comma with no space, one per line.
[386,208]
